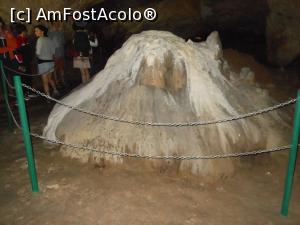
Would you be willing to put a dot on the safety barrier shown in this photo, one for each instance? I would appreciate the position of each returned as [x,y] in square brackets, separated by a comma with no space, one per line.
[28,146]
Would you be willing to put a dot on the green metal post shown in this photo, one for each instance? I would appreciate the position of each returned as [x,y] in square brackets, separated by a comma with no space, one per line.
[26,134]
[5,96]
[292,160]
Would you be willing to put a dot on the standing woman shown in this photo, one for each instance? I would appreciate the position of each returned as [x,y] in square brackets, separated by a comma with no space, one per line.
[45,54]
[22,53]
[82,48]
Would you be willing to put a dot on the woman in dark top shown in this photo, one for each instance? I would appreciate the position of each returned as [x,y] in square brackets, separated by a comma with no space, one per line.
[82,49]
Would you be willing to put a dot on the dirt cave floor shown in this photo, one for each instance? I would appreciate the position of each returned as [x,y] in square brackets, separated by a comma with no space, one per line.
[72,193]
[81,194]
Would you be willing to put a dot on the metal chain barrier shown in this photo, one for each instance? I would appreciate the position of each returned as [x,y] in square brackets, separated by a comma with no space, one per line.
[27,74]
[124,154]
[198,123]
[5,78]
[31,162]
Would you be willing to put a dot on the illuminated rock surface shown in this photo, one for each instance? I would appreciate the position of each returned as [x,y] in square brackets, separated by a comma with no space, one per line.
[158,77]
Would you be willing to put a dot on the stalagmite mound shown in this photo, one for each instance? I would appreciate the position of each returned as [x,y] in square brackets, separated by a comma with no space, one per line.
[158,77]
[238,60]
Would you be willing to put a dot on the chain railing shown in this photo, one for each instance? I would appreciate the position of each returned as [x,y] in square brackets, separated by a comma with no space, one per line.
[162,157]
[157,124]
[12,70]
[76,147]
[31,162]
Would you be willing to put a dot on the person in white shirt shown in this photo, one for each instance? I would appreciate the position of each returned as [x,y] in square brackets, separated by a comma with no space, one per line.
[45,54]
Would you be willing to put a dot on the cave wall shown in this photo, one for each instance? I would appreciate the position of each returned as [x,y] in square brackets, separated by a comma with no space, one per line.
[283,31]
[182,18]
[241,24]
[232,18]
[268,29]
[235,15]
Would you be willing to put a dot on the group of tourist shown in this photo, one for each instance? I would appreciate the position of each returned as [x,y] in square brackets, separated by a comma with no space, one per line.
[46,49]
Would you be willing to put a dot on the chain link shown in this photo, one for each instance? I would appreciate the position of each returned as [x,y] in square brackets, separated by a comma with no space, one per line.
[124,154]
[18,72]
[5,78]
[13,117]
[198,123]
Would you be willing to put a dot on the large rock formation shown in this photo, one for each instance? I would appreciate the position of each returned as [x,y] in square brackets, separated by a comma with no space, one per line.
[158,77]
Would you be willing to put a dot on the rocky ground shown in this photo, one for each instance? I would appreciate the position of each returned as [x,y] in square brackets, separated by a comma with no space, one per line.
[75,193]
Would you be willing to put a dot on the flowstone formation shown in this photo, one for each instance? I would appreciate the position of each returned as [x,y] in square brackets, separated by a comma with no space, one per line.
[158,77]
